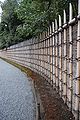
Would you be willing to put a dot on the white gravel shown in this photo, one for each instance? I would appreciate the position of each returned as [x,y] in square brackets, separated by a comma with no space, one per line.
[16,95]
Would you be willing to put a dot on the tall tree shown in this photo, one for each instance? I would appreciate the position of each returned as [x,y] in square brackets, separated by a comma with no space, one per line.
[9,20]
[23,19]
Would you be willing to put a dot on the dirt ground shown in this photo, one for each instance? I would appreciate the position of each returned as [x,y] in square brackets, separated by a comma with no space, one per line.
[53,105]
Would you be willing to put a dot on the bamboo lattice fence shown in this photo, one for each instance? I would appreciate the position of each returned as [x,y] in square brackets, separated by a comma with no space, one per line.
[55,55]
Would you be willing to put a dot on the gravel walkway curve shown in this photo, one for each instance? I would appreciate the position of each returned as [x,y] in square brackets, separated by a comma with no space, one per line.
[16,96]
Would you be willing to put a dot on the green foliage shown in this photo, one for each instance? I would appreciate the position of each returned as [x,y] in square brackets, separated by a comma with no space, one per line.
[23,19]
[9,23]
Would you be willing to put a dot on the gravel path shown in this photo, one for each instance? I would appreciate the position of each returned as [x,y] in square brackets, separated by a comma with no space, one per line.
[16,96]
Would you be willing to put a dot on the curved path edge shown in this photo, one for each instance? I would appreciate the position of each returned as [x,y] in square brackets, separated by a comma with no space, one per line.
[52,106]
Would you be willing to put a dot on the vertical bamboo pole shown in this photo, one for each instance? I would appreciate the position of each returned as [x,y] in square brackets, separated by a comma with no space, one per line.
[32,55]
[65,62]
[60,59]
[56,54]
[51,67]
[38,54]
[54,79]
[70,61]
[46,56]
[49,55]
[43,64]
[40,51]
[77,92]
[41,56]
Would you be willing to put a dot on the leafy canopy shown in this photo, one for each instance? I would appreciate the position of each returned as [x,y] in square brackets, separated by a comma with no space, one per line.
[24,19]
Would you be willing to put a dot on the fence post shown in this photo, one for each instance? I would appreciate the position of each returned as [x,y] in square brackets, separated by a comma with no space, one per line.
[65,60]
[51,48]
[70,60]
[60,58]
[54,79]
[77,93]
[56,53]
[49,55]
